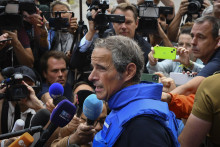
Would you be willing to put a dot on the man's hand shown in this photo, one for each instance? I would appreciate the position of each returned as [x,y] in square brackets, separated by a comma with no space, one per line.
[13,35]
[73,25]
[5,43]
[168,83]
[183,7]
[166,97]
[183,56]
[83,135]
[152,60]
[32,101]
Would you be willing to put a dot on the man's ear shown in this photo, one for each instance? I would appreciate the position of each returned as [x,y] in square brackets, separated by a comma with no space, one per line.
[130,71]
[218,42]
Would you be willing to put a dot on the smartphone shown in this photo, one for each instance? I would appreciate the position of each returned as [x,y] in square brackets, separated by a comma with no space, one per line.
[150,77]
[181,78]
[5,40]
[161,52]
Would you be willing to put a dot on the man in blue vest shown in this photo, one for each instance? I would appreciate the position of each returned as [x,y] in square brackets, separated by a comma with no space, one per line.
[138,117]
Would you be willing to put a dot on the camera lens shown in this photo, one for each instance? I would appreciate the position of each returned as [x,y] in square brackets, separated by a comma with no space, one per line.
[194,7]
[154,78]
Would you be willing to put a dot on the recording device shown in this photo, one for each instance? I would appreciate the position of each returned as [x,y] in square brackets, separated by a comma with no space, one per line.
[56,90]
[41,118]
[15,90]
[24,140]
[102,19]
[60,117]
[81,96]
[161,52]
[31,130]
[180,78]
[11,17]
[19,125]
[92,108]
[59,23]
[8,39]
[148,14]
[195,6]
[150,77]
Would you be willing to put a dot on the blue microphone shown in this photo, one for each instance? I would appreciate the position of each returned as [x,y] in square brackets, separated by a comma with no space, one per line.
[60,117]
[92,108]
[56,90]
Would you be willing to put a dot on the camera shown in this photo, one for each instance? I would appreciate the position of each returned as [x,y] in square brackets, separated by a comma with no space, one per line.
[195,6]
[11,13]
[59,23]
[15,91]
[148,14]
[102,19]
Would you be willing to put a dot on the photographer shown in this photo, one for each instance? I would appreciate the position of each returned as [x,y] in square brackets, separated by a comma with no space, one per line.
[25,108]
[125,29]
[62,40]
[173,29]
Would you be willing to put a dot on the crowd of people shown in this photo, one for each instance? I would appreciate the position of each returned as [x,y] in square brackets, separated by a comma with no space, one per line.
[53,46]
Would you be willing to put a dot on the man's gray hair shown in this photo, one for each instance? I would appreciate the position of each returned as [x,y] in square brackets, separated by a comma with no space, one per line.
[213,20]
[124,51]
[54,3]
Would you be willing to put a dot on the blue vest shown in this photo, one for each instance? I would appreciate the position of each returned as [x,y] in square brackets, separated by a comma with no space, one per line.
[136,105]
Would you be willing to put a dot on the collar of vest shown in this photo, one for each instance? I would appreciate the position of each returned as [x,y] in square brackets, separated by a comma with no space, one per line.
[135,92]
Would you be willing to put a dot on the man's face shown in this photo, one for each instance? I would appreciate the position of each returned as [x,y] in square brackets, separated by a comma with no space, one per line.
[185,41]
[104,75]
[59,7]
[56,71]
[162,22]
[128,27]
[203,43]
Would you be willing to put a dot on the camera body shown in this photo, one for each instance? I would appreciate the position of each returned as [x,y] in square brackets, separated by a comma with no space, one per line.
[11,15]
[102,19]
[59,23]
[195,6]
[15,91]
[148,14]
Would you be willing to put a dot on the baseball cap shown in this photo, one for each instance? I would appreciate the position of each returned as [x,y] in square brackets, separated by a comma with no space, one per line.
[26,72]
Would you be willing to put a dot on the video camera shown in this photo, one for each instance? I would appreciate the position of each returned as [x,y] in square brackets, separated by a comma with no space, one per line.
[59,23]
[15,91]
[102,19]
[149,13]
[195,6]
[11,13]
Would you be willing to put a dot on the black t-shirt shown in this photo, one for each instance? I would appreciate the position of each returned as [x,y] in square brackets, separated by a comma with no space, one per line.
[143,131]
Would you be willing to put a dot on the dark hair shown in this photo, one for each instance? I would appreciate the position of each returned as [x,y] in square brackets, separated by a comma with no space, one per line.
[54,54]
[124,7]
[213,20]
[186,28]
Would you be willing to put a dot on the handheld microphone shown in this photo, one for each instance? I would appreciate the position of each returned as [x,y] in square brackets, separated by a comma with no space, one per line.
[82,95]
[92,108]
[24,141]
[56,90]
[60,117]
[19,125]
[31,130]
[58,99]
[41,118]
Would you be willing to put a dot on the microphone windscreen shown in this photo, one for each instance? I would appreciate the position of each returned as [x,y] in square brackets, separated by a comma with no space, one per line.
[92,107]
[63,113]
[56,90]
[41,118]
[19,125]
[82,95]
[58,99]
[24,140]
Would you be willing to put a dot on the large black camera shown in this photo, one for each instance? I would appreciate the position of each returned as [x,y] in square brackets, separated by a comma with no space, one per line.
[15,91]
[102,19]
[148,14]
[195,6]
[59,23]
[11,17]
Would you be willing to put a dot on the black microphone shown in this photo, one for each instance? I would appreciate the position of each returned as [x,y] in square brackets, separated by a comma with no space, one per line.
[41,118]
[81,96]
[60,117]
[58,99]
[31,130]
